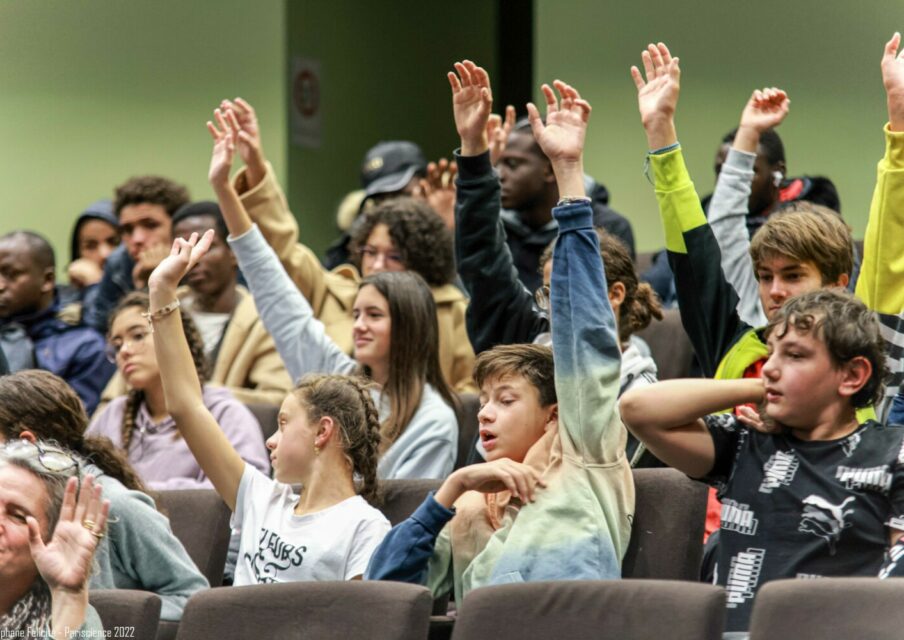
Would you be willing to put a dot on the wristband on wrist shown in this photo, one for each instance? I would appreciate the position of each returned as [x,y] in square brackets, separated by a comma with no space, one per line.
[572,200]
[161,312]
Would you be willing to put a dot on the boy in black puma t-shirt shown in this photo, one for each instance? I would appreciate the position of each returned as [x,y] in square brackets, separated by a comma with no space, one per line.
[810,492]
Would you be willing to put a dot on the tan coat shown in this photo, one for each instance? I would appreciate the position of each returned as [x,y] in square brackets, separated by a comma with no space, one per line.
[332,293]
[247,362]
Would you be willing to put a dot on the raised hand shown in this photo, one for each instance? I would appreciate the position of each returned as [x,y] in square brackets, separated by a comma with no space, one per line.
[766,109]
[498,131]
[562,137]
[438,189]
[184,255]
[223,148]
[247,137]
[65,561]
[893,79]
[657,94]
[472,103]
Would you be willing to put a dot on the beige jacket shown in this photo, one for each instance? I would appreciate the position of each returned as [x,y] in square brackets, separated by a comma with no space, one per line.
[332,293]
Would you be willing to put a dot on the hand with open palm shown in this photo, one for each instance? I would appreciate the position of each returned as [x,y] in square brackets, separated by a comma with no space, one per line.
[657,94]
[472,104]
[893,79]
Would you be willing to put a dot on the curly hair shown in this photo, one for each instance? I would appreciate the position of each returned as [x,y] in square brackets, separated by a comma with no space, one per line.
[150,189]
[140,300]
[846,326]
[43,403]
[419,235]
[346,399]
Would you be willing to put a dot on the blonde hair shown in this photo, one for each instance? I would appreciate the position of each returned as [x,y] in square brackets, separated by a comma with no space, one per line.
[806,232]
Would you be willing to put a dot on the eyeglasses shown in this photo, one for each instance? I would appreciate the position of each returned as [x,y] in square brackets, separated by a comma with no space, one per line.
[541,296]
[136,340]
[51,458]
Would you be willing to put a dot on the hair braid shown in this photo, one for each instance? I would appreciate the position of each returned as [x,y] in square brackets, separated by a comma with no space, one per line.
[129,414]
[364,446]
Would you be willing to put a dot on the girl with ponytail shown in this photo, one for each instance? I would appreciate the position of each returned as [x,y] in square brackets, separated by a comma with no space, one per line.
[328,433]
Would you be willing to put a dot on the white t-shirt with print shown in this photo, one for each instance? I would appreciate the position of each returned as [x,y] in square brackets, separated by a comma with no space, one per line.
[279,546]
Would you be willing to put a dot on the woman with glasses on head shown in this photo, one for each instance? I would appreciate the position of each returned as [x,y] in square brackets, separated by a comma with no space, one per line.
[140,550]
[49,530]
[139,422]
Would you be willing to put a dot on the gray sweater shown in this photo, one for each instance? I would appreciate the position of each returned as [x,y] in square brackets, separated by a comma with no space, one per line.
[141,552]
[428,445]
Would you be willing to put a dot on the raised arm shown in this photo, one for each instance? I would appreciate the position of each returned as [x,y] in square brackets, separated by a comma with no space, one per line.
[708,303]
[585,342]
[300,338]
[501,310]
[64,562]
[668,417]
[181,386]
[728,208]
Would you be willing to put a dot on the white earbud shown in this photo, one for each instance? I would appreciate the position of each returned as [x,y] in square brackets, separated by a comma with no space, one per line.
[777,177]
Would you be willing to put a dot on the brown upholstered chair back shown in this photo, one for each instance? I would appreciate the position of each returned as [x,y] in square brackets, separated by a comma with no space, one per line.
[667,534]
[134,613]
[309,610]
[402,497]
[669,345]
[469,405]
[593,610]
[266,415]
[829,609]
[200,519]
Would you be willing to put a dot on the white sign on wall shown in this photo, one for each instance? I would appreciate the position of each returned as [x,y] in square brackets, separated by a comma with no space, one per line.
[306,119]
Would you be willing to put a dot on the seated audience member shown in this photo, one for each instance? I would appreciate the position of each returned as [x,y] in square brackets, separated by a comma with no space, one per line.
[556,499]
[140,423]
[414,239]
[94,237]
[236,344]
[49,541]
[32,333]
[389,169]
[528,195]
[817,492]
[144,206]
[328,434]
[501,310]
[395,335]
[139,550]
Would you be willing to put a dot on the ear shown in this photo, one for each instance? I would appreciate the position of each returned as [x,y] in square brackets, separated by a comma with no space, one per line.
[616,294]
[326,427]
[552,417]
[843,280]
[28,435]
[854,375]
[49,280]
[549,176]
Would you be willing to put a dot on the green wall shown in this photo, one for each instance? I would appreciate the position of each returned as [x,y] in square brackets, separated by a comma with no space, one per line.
[825,53]
[93,92]
[383,76]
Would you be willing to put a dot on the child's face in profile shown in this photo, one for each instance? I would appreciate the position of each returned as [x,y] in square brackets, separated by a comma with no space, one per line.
[511,418]
[781,277]
[802,382]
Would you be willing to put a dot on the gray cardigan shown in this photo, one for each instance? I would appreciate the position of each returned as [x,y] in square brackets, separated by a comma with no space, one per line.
[428,445]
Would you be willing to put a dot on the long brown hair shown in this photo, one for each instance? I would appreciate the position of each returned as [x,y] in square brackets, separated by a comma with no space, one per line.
[346,399]
[41,402]
[413,350]
[140,300]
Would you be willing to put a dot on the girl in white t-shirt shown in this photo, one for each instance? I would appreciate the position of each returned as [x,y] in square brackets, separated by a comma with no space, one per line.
[329,432]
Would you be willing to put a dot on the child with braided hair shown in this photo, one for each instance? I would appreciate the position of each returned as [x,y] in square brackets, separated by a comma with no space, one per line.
[140,423]
[329,432]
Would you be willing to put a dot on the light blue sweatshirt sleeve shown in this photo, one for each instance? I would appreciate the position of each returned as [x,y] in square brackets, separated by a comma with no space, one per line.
[585,341]
[300,338]
[728,210]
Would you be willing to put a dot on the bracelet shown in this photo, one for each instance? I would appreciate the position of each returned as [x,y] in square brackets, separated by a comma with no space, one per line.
[573,200]
[161,312]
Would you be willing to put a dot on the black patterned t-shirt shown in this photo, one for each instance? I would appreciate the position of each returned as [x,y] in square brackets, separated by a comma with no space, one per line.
[792,508]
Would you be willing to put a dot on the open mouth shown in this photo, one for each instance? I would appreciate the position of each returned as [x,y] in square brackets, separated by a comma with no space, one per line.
[487,439]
